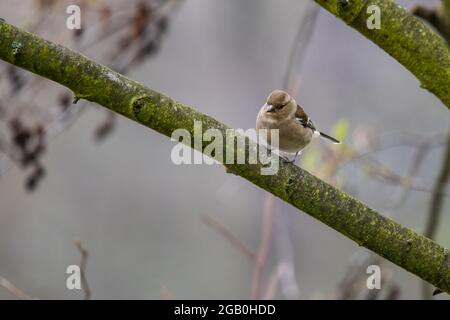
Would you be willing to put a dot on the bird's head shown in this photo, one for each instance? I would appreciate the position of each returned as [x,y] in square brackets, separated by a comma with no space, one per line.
[280,103]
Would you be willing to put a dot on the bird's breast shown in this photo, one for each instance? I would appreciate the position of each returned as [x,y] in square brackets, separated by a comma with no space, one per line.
[292,135]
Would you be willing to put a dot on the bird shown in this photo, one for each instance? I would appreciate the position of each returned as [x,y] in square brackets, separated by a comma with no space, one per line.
[296,129]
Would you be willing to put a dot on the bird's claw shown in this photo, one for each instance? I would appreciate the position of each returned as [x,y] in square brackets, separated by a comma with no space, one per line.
[287,160]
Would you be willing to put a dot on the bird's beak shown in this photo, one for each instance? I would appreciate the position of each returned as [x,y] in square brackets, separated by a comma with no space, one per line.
[270,108]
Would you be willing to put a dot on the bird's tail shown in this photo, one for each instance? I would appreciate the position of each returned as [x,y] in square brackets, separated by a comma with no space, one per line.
[323,135]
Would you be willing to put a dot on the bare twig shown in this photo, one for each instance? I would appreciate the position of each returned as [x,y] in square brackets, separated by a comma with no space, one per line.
[389,141]
[436,204]
[266,231]
[438,193]
[297,53]
[11,288]
[353,284]
[274,281]
[84,282]
[374,168]
[338,160]
[393,292]
[422,151]
[229,236]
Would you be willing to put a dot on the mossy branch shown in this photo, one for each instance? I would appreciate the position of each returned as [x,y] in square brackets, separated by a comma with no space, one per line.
[94,82]
[405,37]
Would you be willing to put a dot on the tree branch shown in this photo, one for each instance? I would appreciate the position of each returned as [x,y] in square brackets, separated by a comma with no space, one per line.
[352,218]
[405,37]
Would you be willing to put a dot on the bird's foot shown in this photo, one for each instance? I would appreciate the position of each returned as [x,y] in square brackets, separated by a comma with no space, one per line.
[287,160]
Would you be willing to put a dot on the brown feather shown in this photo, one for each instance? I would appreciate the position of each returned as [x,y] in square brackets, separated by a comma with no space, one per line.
[301,114]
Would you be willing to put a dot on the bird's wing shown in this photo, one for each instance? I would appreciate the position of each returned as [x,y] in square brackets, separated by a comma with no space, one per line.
[301,116]
[306,122]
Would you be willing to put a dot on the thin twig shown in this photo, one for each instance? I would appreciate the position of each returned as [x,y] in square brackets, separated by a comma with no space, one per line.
[374,168]
[16,292]
[436,205]
[393,292]
[438,193]
[266,234]
[84,282]
[422,151]
[229,236]
[274,281]
[392,141]
[298,50]
[353,284]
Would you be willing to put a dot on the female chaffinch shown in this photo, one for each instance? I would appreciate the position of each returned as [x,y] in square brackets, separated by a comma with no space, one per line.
[296,129]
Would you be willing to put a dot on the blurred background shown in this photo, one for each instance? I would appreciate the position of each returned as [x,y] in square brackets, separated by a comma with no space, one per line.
[154,230]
